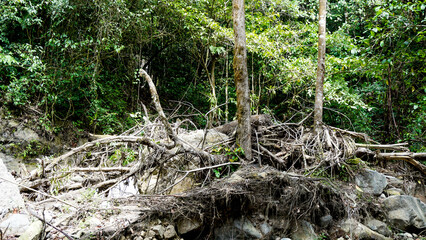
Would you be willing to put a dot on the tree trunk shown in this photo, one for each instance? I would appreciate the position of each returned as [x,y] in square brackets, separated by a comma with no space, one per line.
[213,100]
[319,88]
[241,79]
[226,87]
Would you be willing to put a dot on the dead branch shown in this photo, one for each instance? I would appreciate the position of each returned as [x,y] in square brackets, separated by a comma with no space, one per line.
[271,155]
[394,147]
[132,139]
[362,136]
[156,100]
[408,157]
[95,169]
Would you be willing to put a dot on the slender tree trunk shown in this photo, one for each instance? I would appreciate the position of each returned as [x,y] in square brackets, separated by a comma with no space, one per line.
[241,78]
[226,87]
[213,101]
[319,87]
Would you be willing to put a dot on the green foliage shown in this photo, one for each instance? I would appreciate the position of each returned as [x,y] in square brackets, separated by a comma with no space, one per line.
[33,149]
[233,154]
[78,60]
[123,156]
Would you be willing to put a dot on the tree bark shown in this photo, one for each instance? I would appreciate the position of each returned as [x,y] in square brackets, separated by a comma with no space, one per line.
[319,87]
[241,79]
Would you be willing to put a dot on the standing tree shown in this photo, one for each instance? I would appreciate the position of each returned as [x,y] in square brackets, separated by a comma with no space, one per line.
[319,87]
[241,78]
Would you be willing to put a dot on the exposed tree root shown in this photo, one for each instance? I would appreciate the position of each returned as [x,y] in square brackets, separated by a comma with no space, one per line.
[175,176]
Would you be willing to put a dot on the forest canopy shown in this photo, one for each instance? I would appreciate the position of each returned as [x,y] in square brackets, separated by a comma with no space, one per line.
[78,60]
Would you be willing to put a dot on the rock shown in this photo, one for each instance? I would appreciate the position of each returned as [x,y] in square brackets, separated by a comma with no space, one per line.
[378,226]
[371,181]
[159,230]
[304,231]
[360,231]
[170,232]
[405,236]
[150,234]
[195,138]
[33,232]
[26,134]
[148,183]
[228,232]
[77,178]
[394,192]
[235,178]
[247,227]
[265,228]
[325,221]
[11,163]
[183,186]
[94,222]
[186,225]
[395,182]
[405,212]
[16,224]
[11,200]
[10,196]
[124,189]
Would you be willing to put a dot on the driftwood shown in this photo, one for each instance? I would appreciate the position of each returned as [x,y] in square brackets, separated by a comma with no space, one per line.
[409,157]
[394,147]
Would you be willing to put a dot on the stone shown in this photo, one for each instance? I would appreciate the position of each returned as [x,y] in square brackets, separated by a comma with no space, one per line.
[94,222]
[150,234]
[125,188]
[16,224]
[148,183]
[405,212]
[371,181]
[405,235]
[325,221]
[247,227]
[265,228]
[195,138]
[26,134]
[360,231]
[395,182]
[394,191]
[10,201]
[186,225]
[228,231]
[183,186]
[304,231]
[33,232]
[378,226]
[170,232]
[77,178]
[235,178]
[159,230]
[11,163]
[10,195]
